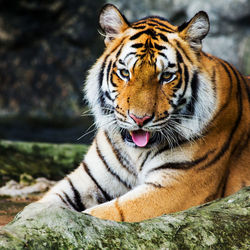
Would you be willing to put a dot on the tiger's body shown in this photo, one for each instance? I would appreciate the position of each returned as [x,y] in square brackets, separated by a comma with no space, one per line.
[173,123]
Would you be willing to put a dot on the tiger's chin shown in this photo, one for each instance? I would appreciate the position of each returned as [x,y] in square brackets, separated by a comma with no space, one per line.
[140,138]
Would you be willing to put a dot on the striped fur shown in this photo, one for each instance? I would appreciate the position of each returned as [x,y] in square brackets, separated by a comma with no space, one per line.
[196,109]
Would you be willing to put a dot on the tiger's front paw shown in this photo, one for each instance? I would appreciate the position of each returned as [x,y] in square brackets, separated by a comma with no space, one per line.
[105,211]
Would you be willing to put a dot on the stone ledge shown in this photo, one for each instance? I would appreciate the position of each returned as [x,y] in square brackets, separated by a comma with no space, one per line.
[221,224]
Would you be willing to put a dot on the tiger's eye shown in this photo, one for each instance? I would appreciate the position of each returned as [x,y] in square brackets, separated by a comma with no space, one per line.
[124,73]
[167,77]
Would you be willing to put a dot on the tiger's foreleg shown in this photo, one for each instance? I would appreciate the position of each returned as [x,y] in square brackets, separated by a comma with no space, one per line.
[146,201]
[77,191]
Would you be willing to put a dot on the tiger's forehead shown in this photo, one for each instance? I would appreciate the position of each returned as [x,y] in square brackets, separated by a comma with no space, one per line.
[157,23]
[148,42]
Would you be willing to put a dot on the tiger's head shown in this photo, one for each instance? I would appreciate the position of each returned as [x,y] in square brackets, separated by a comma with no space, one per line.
[148,84]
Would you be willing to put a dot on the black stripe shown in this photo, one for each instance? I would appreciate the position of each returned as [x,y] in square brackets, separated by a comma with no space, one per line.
[162,24]
[155,185]
[236,124]
[100,77]
[108,71]
[186,74]
[101,74]
[137,45]
[137,35]
[179,56]
[149,32]
[129,54]
[194,93]
[119,52]
[224,187]
[109,169]
[171,65]
[178,143]
[178,86]
[223,64]
[108,96]
[142,56]
[77,196]
[213,79]
[152,24]
[139,27]
[120,113]
[105,108]
[159,47]
[164,30]
[183,165]
[163,37]
[121,62]
[149,44]
[183,26]
[145,159]
[163,55]
[208,56]
[178,44]
[186,80]
[240,145]
[70,202]
[118,156]
[133,69]
[100,80]
[119,209]
[105,194]
[62,199]
[112,81]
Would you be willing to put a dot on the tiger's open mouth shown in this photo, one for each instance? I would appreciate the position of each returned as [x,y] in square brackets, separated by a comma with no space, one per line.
[140,137]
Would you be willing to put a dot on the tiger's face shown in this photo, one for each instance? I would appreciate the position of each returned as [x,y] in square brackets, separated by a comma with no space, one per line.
[148,79]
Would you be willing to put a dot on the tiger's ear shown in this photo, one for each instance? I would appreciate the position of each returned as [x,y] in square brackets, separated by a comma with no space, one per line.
[112,22]
[195,30]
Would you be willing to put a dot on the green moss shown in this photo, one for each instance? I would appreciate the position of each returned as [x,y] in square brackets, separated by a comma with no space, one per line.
[52,161]
[26,179]
[223,224]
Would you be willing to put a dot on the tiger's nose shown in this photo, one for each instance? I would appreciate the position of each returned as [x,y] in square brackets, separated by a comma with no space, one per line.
[140,121]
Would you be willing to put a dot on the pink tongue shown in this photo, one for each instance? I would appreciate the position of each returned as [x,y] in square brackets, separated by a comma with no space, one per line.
[140,138]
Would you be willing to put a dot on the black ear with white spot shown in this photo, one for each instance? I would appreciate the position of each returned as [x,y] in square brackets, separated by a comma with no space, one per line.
[195,30]
[112,22]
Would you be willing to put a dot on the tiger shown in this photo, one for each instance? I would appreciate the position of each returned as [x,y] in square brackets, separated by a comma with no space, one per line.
[172,123]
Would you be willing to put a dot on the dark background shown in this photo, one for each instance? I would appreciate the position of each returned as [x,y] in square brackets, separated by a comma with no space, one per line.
[46,48]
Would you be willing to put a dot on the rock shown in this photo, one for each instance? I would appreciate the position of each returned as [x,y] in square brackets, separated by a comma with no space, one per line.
[45,49]
[13,188]
[245,55]
[221,224]
[52,161]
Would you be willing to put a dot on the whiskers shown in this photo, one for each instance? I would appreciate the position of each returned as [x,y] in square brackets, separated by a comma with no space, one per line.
[87,113]
[177,130]
[107,122]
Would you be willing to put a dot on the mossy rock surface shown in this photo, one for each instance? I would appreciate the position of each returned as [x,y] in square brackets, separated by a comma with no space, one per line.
[52,161]
[222,224]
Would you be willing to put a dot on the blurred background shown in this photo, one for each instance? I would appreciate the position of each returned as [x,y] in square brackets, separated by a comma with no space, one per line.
[46,48]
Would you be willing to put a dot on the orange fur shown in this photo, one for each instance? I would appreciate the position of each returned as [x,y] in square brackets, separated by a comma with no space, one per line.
[170,78]
[225,143]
